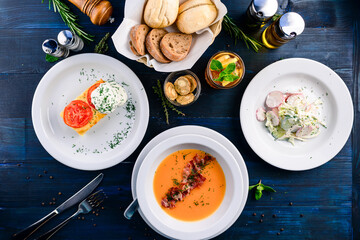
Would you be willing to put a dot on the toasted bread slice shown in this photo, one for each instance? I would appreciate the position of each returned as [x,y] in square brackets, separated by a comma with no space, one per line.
[137,35]
[133,49]
[152,44]
[97,116]
[176,46]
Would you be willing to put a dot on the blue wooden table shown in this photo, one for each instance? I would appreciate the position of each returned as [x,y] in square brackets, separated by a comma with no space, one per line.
[327,197]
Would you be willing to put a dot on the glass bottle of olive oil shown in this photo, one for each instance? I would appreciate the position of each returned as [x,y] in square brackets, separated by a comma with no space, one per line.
[259,13]
[287,27]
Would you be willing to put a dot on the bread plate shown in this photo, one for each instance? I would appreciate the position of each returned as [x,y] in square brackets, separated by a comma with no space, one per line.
[202,39]
[111,140]
[208,227]
[314,80]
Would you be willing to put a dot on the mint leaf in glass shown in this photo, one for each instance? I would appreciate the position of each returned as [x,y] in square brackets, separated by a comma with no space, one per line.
[216,65]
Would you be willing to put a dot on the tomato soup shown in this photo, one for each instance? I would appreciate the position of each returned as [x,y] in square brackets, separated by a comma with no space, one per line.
[203,200]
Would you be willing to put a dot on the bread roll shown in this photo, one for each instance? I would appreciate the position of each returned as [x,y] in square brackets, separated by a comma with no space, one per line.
[161,13]
[195,15]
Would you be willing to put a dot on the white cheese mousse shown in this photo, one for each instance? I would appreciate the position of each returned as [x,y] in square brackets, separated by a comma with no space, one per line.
[108,96]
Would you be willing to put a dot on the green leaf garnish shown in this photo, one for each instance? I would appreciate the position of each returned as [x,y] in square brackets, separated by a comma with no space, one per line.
[216,65]
[50,58]
[259,187]
[226,74]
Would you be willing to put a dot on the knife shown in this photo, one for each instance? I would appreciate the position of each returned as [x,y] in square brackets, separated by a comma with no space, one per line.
[76,198]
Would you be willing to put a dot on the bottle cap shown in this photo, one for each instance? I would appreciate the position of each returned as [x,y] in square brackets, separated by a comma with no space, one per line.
[65,37]
[50,46]
[264,9]
[291,24]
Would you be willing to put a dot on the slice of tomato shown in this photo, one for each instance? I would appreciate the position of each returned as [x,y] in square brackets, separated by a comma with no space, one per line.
[91,89]
[77,114]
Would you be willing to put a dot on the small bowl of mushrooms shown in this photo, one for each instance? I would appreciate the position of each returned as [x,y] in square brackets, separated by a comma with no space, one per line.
[182,88]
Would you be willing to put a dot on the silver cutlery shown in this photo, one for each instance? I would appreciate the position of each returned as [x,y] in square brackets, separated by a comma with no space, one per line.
[131,209]
[91,202]
[77,197]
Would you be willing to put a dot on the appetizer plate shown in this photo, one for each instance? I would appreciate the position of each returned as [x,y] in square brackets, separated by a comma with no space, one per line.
[113,138]
[316,81]
[204,132]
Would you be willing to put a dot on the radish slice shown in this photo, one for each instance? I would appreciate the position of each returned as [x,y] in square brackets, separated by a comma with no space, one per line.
[273,118]
[274,99]
[276,110]
[295,98]
[260,114]
[304,131]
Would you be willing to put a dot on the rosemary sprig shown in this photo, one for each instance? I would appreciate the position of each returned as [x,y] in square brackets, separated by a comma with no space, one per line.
[69,18]
[164,102]
[102,46]
[235,32]
[275,17]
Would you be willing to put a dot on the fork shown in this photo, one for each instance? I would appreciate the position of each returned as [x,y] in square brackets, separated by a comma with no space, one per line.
[92,201]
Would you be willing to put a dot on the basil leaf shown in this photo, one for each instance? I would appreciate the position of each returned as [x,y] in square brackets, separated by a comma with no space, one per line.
[258,194]
[50,58]
[251,187]
[260,188]
[230,68]
[267,188]
[230,78]
[216,65]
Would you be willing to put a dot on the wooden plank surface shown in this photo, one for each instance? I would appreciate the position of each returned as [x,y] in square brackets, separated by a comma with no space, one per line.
[324,195]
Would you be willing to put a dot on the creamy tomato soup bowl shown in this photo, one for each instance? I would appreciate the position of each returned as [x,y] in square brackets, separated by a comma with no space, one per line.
[160,217]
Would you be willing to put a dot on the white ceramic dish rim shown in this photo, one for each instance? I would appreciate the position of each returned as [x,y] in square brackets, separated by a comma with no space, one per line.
[42,135]
[207,227]
[193,129]
[344,116]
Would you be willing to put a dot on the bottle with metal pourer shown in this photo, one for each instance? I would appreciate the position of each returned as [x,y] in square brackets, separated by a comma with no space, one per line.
[70,40]
[51,47]
[287,27]
[259,13]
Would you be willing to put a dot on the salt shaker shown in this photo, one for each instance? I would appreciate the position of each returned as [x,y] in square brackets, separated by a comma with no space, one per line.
[70,40]
[259,13]
[51,47]
[287,27]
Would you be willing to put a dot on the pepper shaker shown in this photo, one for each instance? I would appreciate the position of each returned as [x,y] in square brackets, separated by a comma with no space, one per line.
[70,40]
[99,11]
[259,13]
[287,27]
[51,47]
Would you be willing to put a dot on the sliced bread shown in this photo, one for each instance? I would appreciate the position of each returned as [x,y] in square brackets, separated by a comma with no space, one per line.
[137,35]
[176,46]
[152,44]
[133,49]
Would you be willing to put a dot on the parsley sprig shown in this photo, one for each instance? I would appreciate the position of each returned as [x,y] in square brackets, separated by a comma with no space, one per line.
[259,187]
[225,74]
[69,18]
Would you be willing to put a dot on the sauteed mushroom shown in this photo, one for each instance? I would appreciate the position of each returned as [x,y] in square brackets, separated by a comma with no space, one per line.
[170,91]
[192,81]
[182,85]
[184,100]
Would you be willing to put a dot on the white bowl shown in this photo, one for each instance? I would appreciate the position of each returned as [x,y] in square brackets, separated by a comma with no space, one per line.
[206,228]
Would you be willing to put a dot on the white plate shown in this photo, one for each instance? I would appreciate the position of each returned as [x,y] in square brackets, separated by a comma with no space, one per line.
[314,80]
[203,132]
[202,229]
[111,140]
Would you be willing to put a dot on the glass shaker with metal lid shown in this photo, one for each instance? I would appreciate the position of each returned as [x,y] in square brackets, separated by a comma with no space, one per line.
[51,47]
[70,40]
[284,29]
[259,13]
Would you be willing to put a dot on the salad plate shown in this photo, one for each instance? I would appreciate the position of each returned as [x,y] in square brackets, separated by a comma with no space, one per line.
[111,140]
[317,83]
[204,132]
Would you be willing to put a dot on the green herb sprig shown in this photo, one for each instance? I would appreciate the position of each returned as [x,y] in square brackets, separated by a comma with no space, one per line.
[164,102]
[225,74]
[69,18]
[259,187]
[235,32]
[275,17]
[102,47]
[50,58]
